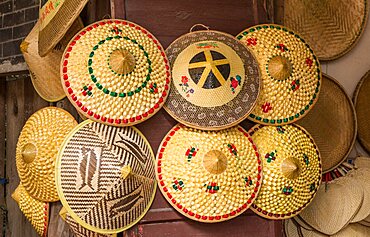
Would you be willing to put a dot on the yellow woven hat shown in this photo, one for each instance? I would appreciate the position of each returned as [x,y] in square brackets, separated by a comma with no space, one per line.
[37,148]
[291,74]
[105,176]
[208,176]
[37,212]
[291,169]
[215,80]
[115,72]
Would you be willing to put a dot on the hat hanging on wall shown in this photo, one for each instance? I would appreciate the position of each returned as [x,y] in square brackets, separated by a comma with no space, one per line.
[37,148]
[291,228]
[208,176]
[291,74]
[291,169]
[215,80]
[332,123]
[105,176]
[331,28]
[115,72]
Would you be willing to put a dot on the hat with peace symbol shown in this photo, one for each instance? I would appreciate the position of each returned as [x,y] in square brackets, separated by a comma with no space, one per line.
[291,74]
[115,72]
[215,80]
[209,176]
[291,170]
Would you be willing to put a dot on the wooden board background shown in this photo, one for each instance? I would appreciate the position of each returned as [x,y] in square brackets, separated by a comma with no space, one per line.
[167,20]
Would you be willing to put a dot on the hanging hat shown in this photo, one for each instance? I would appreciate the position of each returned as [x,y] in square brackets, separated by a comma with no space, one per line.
[44,71]
[310,233]
[291,74]
[362,177]
[301,223]
[291,169]
[362,162]
[362,105]
[115,72]
[290,228]
[37,148]
[353,230]
[105,176]
[335,134]
[215,80]
[56,17]
[332,28]
[208,176]
[37,212]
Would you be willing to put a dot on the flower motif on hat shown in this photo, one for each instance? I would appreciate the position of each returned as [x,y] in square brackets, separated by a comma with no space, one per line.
[191,152]
[282,47]
[212,187]
[177,184]
[232,149]
[309,62]
[248,181]
[270,156]
[86,90]
[295,85]
[235,82]
[185,86]
[153,88]
[287,190]
[266,107]
[251,41]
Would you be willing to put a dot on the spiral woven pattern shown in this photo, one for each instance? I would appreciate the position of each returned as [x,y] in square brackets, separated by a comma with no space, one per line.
[115,72]
[291,74]
[37,149]
[291,169]
[208,176]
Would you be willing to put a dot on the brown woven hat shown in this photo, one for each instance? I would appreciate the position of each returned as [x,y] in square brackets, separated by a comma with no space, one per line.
[332,28]
[354,230]
[37,212]
[291,228]
[208,176]
[291,169]
[362,105]
[105,176]
[56,17]
[215,80]
[291,74]
[332,117]
[37,148]
[115,72]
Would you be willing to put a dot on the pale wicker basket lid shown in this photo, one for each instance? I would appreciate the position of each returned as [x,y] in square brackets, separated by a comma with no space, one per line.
[215,80]
[291,74]
[333,117]
[291,170]
[115,72]
[332,28]
[37,149]
[105,176]
[208,176]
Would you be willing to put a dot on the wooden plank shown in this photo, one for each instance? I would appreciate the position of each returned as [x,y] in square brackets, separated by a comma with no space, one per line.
[119,9]
[2,151]
[279,12]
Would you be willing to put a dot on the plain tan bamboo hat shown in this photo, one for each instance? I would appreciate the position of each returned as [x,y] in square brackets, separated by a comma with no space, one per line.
[362,162]
[332,28]
[362,177]
[290,71]
[290,228]
[353,230]
[208,176]
[310,233]
[291,170]
[37,148]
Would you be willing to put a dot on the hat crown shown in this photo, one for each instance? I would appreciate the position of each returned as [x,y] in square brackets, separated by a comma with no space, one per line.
[122,61]
[29,152]
[291,168]
[279,67]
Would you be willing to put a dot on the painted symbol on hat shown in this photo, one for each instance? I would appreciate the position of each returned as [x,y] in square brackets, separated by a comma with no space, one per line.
[270,156]
[89,166]
[191,152]
[232,149]
[212,187]
[130,145]
[287,190]
[248,181]
[178,184]
[235,82]
[209,69]
[266,107]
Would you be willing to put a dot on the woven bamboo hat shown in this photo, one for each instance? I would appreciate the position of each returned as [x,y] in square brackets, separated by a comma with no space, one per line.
[354,230]
[291,169]
[215,80]
[56,17]
[208,176]
[291,74]
[105,176]
[332,117]
[362,177]
[332,28]
[310,233]
[362,105]
[290,228]
[44,71]
[115,72]
[362,162]
[301,223]
[37,212]
[37,148]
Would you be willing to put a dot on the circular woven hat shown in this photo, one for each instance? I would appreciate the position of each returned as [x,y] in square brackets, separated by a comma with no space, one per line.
[37,148]
[37,212]
[333,117]
[291,74]
[291,169]
[362,177]
[354,230]
[290,228]
[105,176]
[362,105]
[115,72]
[215,80]
[301,223]
[362,162]
[332,28]
[310,233]
[208,176]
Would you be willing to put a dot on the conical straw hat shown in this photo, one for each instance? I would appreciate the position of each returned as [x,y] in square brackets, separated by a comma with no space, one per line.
[291,169]
[115,72]
[215,80]
[290,228]
[208,176]
[354,230]
[362,177]
[105,176]
[37,212]
[301,223]
[362,162]
[37,148]
[310,233]
[291,74]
